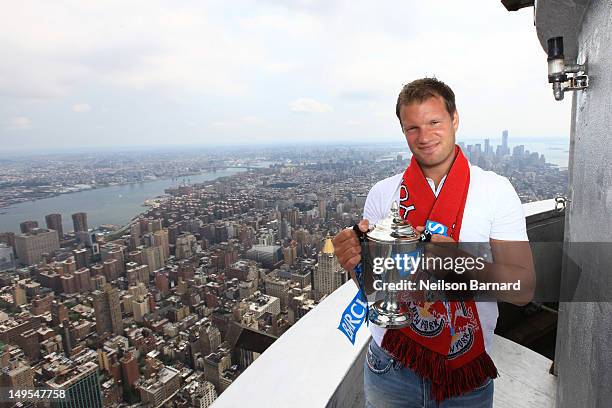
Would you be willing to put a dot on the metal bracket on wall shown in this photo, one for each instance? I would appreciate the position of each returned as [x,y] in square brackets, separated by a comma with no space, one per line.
[561,203]
[564,76]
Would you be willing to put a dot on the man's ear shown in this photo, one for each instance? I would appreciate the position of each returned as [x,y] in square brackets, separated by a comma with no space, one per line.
[456,120]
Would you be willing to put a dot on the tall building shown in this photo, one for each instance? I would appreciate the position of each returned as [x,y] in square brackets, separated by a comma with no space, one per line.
[329,276]
[59,312]
[81,257]
[113,251]
[186,245]
[488,149]
[129,368]
[108,310]
[210,338]
[79,220]
[154,258]
[503,150]
[161,240]
[140,307]
[19,294]
[268,255]
[7,259]
[31,246]
[161,387]
[214,364]
[134,235]
[204,395]
[54,222]
[518,151]
[82,385]
[17,375]
[322,206]
[28,226]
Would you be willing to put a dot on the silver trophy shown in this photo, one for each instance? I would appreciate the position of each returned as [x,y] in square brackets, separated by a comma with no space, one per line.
[385,284]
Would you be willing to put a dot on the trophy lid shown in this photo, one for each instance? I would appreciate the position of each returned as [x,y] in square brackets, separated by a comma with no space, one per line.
[393,228]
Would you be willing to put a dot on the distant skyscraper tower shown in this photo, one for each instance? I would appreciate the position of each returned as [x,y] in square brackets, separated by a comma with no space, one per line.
[80,222]
[54,222]
[108,310]
[505,148]
[28,226]
[329,276]
[488,149]
[518,151]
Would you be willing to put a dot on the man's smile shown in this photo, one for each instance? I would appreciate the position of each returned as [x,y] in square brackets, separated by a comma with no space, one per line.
[430,148]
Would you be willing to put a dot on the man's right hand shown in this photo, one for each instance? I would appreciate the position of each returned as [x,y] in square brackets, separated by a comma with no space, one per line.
[348,249]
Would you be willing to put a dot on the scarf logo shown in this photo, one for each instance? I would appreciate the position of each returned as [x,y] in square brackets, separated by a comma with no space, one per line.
[464,327]
[428,319]
[404,195]
[461,343]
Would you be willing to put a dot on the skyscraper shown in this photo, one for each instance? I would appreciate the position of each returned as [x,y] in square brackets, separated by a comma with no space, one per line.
[328,273]
[82,386]
[28,226]
[54,222]
[17,374]
[79,221]
[108,310]
[505,148]
[31,246]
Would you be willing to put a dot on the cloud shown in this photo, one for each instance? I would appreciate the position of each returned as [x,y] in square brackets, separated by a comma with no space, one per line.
[81,107]
[245,121]
[177,69]
[279,67]
[19,123]
[360,94]
[309,105]
[310,6]
[144,45]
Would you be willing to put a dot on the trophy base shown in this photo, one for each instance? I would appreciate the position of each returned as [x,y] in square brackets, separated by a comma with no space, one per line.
[388,320]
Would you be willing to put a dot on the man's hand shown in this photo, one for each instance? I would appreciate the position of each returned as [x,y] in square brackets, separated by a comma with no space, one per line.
[438,251]
[348,249]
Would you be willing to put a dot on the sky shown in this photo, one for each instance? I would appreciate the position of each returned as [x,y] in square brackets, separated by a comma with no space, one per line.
[147,73]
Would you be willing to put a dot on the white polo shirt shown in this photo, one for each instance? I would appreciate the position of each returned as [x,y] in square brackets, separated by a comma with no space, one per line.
[492,210]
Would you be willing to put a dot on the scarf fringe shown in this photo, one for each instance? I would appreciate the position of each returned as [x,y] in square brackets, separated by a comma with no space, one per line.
[445,381]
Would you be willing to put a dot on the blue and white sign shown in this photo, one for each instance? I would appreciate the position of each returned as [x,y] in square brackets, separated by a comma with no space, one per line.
[353,317]
[436,227]
[356,312]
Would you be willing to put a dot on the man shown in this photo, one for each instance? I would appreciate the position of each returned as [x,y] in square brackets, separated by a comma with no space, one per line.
[449,366]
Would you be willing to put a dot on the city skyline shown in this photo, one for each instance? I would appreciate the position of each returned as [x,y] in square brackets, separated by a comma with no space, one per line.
[119,184]
[296,72]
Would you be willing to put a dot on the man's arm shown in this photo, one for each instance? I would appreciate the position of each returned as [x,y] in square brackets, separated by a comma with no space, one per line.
[512,258]
[512,261]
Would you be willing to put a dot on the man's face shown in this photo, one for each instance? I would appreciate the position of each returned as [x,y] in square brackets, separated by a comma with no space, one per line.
[430,131]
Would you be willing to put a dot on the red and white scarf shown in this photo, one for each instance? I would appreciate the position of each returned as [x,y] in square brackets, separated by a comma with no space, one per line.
[444,342]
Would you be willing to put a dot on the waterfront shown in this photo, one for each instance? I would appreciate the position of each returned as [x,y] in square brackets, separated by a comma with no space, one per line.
[109,205]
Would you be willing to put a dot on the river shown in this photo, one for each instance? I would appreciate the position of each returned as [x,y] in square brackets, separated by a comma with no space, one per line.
[109,205]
